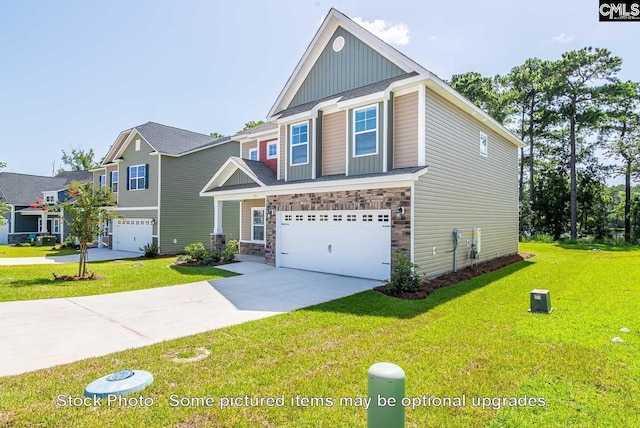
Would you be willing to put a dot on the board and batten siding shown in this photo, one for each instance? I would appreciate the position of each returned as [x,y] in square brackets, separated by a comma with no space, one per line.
[246,216]
[354,66]
[405,131]
[304,171]
[238,177]
[369,164]
[144,197]
[231,220]
[462,190]
[185,217]
[246,147]
[333,143]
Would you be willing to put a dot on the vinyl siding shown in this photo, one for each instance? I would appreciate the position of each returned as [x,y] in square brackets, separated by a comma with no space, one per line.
[405,131]
[333,143]
[300,172]
[238,177]
[246,216]
[463,189]
[96,177]
[231,219]
[185,216]
[139,198]
[354,66]
[25,223]
[284,156]
[264,145]
[250,145]
[366,164]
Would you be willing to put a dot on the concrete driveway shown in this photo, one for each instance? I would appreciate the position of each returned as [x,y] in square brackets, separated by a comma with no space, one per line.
[43,333]
[95,255]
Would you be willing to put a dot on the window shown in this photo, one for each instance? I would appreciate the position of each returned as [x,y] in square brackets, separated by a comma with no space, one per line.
[484,144]
[300,144]
[257,224]
[137,177]
[114,181]
[56,225]
[103,180]
[272,150]
[365,131]
[253,154]
[50,199]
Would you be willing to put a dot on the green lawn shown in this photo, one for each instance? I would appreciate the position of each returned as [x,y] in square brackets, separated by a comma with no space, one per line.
[37,281]
[7,251]
[475,338]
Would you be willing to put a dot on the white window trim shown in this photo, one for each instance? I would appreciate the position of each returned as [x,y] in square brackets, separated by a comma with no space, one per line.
[103,180]
[306,122]
[117,182]
[484,149]
[256,152]
[264,225]
[269,144]
[55,226]
[145,177]
[367,131]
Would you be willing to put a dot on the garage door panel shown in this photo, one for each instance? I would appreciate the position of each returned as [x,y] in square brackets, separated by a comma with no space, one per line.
[355,243]
[132,234]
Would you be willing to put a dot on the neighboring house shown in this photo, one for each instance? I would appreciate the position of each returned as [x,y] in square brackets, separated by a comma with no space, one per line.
[21,191]
[366,154]
[156,172]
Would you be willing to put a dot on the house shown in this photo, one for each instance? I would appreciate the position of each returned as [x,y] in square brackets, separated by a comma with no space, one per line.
[366,154]
[21,191]
[156,172]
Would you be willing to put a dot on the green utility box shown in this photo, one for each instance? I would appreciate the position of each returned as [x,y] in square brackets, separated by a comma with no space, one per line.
[540,302]
[45,241]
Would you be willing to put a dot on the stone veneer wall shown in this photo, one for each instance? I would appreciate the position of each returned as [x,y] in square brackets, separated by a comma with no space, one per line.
[252,249]
[372,199]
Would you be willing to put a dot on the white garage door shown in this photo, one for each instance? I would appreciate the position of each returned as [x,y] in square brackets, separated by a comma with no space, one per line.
[353,243]
[4,233]
[131,234]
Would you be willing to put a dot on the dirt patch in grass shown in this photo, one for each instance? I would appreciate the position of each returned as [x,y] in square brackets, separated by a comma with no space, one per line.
[451,278]
[87,277]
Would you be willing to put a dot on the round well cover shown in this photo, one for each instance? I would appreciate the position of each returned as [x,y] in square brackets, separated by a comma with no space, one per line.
[119,383]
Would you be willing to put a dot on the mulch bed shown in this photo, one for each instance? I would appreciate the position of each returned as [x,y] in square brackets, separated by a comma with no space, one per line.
[451,278]
[77,277]
[198,264]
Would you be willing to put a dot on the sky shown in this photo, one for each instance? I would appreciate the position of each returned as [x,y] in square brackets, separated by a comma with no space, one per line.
[74,74]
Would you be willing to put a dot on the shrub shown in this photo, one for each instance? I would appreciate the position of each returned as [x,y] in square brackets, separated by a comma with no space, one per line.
[197,251]
[150,250]
[230,252]
[69,242]
[404,278]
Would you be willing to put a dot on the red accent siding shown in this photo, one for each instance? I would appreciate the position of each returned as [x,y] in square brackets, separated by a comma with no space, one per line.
[271,163]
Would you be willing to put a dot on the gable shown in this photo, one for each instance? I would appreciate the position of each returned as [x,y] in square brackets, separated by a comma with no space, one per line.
[237,178]
[355,65]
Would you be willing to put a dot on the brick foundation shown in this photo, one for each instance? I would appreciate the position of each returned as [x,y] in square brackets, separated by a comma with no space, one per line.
[252,249]
[372,199]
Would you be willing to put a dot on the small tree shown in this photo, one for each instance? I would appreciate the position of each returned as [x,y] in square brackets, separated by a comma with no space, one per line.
[86,207]
[79,160]
[4,206]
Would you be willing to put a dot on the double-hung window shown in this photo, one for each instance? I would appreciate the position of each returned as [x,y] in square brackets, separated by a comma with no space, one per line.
[300,144]
[103,180]
[137,177]
[365,131]
[257,224]
[114,181]
[272,150]
[253,154]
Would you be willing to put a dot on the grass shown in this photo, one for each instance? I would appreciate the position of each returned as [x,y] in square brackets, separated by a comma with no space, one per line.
[37,282]
[474,339]
[10,251]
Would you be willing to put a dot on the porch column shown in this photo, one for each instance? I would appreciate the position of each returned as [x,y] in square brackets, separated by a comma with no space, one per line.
[44,230]
[217,216]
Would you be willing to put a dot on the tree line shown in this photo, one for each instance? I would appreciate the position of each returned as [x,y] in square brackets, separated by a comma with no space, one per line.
[569,112]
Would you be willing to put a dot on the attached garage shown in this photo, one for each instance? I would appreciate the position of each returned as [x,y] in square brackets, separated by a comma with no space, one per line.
[353,243]
[131,234]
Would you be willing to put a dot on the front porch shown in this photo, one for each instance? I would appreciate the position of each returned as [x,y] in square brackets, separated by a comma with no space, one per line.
[31,223]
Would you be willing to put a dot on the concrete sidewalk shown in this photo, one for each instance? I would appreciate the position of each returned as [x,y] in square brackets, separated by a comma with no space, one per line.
[95,255]
[44,333]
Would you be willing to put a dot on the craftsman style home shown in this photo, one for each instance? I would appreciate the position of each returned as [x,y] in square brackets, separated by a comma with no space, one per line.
[24,221]
[156,172]
[365,154]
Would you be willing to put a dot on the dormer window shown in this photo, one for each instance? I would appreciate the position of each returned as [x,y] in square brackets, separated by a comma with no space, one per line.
[300,144]
[365,131]
[272,150]
[50,199]
[253,154]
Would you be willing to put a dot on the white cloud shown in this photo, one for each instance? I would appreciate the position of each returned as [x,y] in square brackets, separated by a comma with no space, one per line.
[432,38]
[562,38]
[395,34]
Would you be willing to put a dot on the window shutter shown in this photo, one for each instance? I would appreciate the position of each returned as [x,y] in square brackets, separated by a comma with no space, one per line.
[128,177]
[146,175]
[110,183]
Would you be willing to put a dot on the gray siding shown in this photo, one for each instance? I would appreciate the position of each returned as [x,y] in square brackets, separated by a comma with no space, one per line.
[184,215]
[463,190]
[299,172]
[354,66]
[138,198]
[366,164]
[231,220]
[238,177]
[96,177]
